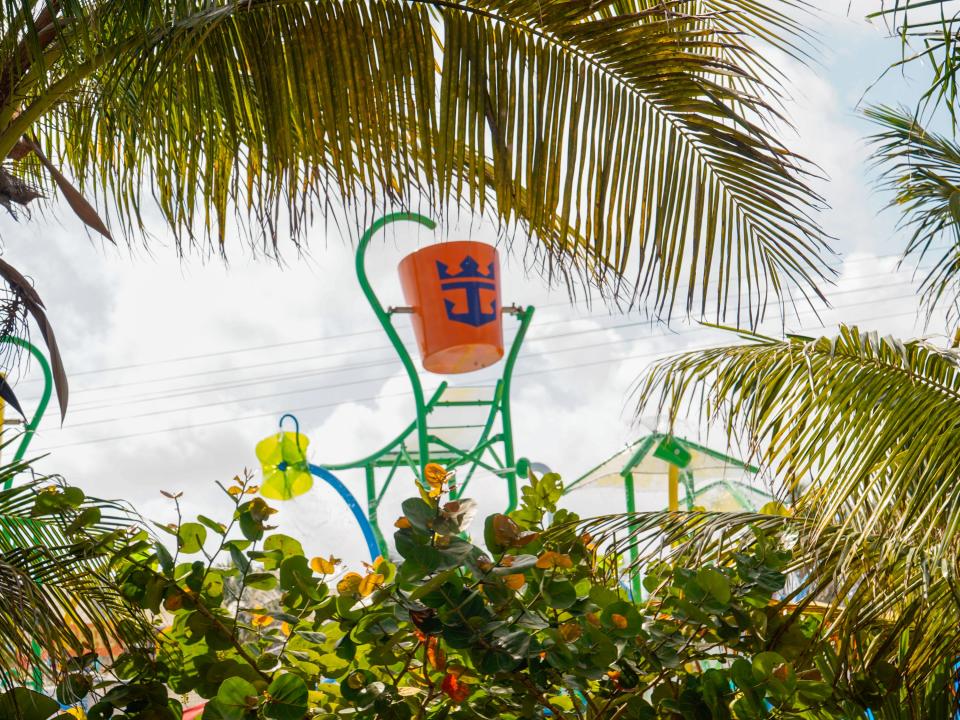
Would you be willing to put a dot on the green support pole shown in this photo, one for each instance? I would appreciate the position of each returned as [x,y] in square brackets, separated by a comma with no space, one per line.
[635,585]
[373,503]
[29,431]
[384,317]
[509,460]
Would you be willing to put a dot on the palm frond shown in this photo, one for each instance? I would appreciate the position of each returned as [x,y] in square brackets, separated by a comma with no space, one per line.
[922,170]
[628,137]
[928,30]
[55,592]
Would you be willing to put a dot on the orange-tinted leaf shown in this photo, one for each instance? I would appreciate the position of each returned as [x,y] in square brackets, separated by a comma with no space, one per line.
[173,602]
[349,583]
[515,581]
[402,523]
[324,566]
[260,620]
[526,538]
[570,631]
[505,530]
[370,583]
[551,559]
[619,621]
[454,689]
[435,655]
[435,475]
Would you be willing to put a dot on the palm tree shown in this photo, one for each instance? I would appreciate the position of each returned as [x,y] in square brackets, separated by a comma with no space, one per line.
[58,603]
[630,139]
[861,435]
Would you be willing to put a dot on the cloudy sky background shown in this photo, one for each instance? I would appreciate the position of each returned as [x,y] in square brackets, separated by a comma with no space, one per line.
[178,367]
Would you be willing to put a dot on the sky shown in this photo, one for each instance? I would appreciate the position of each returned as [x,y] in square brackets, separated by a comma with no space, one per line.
[178,367]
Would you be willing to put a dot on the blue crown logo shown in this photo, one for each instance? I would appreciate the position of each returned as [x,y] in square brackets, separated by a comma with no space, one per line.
[471,281]
[469,268]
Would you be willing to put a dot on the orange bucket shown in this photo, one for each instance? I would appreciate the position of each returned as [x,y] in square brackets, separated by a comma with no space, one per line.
[454,289]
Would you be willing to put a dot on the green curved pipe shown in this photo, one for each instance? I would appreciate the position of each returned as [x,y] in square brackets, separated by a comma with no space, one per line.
[34,422]
[384,317]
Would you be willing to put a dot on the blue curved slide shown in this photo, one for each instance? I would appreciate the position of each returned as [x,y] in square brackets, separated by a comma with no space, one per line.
[364,523]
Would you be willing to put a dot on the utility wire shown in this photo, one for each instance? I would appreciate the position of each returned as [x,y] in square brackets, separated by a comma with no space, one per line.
[372,331]
[242,382]
[186,392]
[374,398]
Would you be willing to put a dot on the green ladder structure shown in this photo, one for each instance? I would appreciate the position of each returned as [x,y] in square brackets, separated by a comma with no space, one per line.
[428,438]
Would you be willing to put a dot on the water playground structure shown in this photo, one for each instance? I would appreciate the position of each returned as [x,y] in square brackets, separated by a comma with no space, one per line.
[453,298]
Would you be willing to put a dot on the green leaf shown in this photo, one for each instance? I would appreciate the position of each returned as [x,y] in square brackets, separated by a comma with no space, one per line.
[296,576]
[87,517]
[164,558]
[241,561]
[218,527]
[261,581]
[23,704]
[715,583]
[419,513]
[191,537]
[765,663]
[237,699]
[288,698]
[73,688]
[284,545]
[559,594]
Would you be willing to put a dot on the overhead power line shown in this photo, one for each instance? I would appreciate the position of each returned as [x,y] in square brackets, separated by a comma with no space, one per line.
[242,382]
[374,398]
[376,330]
[188,392]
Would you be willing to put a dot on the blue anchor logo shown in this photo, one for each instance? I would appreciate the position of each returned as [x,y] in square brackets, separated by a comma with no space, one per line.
[471,281]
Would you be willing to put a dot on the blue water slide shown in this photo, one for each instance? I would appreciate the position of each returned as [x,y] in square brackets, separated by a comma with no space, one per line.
[358,513]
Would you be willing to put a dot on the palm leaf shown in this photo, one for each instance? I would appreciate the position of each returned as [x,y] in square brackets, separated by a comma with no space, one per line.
[922,170]
[627,137]
[928,30]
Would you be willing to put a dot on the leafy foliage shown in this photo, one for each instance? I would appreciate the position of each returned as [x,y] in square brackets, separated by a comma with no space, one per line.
[534,624]
[59,608]
[928,30]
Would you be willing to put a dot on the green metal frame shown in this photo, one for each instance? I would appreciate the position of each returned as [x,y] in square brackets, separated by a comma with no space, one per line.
[643,447]
[429,447]
[29,431]
[34,422]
